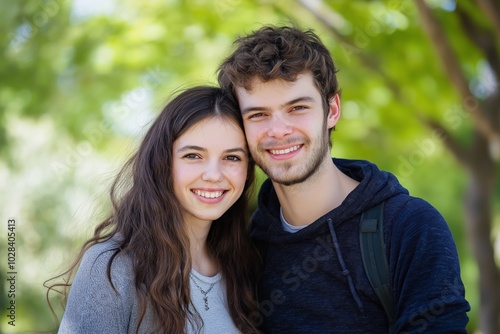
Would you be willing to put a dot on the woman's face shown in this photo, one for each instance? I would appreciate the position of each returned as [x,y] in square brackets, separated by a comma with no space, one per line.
[210,162]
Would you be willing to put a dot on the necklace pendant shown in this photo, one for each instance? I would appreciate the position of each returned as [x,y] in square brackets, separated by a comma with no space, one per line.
[203,292]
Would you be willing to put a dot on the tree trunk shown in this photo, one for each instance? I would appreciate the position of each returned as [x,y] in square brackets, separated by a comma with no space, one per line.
[478,208]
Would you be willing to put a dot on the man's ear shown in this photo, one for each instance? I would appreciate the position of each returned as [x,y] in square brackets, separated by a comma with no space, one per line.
[333,111]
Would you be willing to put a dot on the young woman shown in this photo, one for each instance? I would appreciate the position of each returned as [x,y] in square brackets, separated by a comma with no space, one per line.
[173,256]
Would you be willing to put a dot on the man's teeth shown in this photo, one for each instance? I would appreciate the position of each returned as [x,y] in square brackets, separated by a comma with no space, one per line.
[208,194]
[285,151]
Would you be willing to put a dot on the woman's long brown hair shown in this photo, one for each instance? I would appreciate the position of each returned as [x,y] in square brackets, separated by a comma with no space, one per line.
[147,217]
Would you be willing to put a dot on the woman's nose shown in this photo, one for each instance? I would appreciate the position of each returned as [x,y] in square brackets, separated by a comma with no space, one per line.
[213,172]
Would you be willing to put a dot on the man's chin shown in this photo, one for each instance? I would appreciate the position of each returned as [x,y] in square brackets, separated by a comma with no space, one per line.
[287,180]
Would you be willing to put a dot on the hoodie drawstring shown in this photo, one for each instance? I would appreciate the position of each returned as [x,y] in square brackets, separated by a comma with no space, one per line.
[345,271]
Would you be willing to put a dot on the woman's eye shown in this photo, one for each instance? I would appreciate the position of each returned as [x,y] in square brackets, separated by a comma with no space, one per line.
[192,156]
[233,158]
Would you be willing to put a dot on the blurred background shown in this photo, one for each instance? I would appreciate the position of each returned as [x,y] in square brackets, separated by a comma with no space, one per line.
[80,81]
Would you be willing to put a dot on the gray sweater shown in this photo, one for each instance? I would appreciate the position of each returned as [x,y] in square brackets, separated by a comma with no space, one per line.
[93,306]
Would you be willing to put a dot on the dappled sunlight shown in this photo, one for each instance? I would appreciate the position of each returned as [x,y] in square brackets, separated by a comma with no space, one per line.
[81,82]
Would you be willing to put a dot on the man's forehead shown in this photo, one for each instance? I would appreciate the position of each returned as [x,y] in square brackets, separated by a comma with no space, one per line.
[257,83]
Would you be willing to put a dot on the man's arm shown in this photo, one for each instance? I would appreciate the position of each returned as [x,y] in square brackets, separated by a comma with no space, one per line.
[427,288]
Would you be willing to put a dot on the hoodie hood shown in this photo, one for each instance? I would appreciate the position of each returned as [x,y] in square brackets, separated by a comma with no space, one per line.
[375,186]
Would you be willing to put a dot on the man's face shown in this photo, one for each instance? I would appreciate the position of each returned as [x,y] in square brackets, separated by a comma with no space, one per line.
[286,127]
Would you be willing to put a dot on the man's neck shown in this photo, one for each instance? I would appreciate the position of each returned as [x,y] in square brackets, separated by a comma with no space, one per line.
[307,201]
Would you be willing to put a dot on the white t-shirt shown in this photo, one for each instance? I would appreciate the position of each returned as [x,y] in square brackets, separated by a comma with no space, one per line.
[289,227]
[213,310]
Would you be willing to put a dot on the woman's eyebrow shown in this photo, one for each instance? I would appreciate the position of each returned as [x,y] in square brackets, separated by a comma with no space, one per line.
[236,149]
[203,149]
[191,148]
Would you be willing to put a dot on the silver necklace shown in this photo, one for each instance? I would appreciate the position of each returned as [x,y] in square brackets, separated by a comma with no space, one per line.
[203,292]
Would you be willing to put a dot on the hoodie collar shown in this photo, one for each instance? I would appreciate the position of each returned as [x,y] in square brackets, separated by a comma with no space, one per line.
[374,187]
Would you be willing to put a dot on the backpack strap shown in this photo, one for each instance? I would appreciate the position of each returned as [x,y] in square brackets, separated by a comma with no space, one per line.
[371,236]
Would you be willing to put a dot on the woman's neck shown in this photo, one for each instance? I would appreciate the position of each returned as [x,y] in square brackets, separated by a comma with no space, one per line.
[201,259]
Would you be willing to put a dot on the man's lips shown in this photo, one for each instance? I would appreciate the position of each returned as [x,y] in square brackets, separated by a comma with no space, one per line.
[284,150]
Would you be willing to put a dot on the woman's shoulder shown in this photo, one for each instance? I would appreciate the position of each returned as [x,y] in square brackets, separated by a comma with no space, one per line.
[104,249]
[96,261]
[101,299]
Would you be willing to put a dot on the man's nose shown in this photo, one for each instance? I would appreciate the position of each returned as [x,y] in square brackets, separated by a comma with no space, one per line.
[278,127]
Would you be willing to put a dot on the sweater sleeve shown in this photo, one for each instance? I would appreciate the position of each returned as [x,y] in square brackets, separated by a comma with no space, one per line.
[428,291]
[93,305]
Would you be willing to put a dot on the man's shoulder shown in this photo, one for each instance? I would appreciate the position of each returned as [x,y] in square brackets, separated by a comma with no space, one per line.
[408,208]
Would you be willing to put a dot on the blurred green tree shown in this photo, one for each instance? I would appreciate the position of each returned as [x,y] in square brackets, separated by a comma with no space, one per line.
[81,80]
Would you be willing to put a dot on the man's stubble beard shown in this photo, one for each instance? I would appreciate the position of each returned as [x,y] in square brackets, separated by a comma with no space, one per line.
[310,166]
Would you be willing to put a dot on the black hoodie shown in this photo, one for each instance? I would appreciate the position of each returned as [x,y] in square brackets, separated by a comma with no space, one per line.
[314,282]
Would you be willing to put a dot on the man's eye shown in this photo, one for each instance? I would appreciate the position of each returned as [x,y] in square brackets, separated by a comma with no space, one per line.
[299,108]
[256,115]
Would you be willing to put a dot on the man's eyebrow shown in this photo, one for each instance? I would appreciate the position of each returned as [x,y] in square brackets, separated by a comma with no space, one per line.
[297,100]
[286,104]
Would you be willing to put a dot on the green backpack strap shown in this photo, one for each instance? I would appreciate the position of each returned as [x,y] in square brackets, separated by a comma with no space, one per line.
[371,234]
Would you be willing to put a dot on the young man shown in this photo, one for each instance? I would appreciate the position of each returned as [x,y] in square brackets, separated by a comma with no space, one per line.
[307,224]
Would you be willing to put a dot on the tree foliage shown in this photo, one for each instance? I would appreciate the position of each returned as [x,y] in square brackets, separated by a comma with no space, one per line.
[80,81]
